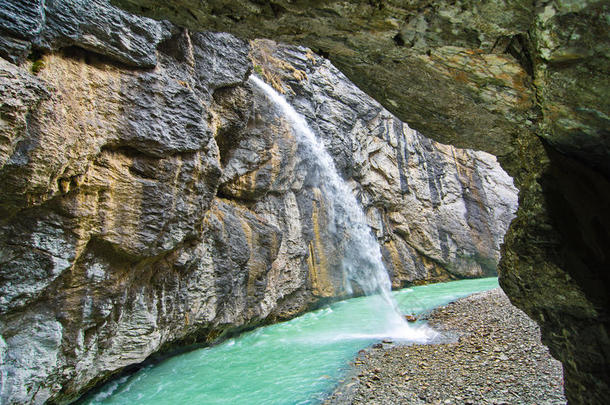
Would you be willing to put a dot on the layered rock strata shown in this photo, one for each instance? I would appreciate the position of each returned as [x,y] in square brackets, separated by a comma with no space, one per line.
[526,81]
[438,211]
[151,197]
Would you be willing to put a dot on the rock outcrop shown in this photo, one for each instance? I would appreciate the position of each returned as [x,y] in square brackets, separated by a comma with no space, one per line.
[526,81]
[93,25]
[152,198]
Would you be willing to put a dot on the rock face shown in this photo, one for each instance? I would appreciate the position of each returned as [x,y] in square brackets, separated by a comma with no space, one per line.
[526,81]
[46,25]
[438,211]
[166,202]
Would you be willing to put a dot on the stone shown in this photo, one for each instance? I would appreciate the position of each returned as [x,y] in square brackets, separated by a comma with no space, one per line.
[93,25]
[116,181]
[22,93]
[528,374]
[388,41]
[145,208]
[525,81]
[32,347]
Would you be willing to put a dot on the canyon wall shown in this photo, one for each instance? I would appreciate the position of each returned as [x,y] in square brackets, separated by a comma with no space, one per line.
[152,198]
[525,80]
[432,206]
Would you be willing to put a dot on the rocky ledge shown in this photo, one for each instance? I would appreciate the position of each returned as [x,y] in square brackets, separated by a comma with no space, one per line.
[494,357]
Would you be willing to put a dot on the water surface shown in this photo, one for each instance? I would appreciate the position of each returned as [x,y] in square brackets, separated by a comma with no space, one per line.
[294,362]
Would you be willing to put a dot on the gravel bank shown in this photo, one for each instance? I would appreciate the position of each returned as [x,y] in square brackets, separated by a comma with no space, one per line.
[494,357]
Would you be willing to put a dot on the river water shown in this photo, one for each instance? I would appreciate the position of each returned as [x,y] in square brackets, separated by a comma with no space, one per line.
[300,361]
[294,362]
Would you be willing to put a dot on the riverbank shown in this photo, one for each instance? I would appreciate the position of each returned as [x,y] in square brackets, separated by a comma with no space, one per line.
[494,356]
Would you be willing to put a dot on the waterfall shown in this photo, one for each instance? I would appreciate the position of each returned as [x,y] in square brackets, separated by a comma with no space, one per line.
[362,261]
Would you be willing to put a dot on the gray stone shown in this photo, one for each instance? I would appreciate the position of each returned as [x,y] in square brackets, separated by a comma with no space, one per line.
[33,348]
[21,23]
[144,209]
[219,60]
[34,251]
[93,25]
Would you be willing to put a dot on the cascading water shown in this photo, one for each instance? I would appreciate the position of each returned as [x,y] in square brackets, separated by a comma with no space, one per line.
[299,361]
[362,259]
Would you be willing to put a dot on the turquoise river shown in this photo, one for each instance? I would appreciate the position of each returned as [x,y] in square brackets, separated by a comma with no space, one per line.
[294,362]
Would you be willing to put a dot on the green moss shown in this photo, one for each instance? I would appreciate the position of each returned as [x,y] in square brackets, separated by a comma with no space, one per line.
[36,57]
[37,66]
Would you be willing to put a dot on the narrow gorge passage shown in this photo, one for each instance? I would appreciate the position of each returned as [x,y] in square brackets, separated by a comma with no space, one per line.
[152,198]
[294,362]
[156,199]
[300,361]
[526,81]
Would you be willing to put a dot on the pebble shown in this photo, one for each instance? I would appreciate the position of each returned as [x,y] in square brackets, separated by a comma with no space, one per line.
[493,356]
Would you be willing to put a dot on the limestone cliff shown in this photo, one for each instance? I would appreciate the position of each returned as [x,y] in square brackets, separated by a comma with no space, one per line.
[525,80]
[438,211]
[152,198]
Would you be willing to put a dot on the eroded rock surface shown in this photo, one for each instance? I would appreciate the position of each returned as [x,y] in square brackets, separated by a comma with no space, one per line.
[438,211]
[526,81]
[106,186]
[167,202]
[94,25]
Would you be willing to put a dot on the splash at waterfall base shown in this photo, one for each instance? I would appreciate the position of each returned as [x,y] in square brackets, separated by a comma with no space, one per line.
[295,362]
[496,357]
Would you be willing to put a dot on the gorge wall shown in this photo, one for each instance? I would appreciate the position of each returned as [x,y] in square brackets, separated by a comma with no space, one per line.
[152,198]
[431,206]
[525,80]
